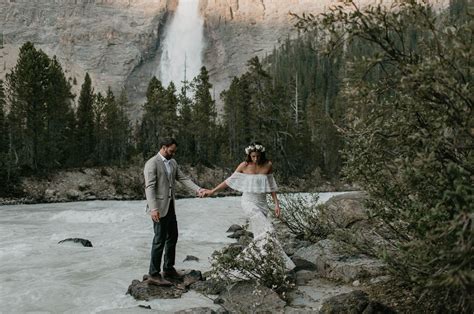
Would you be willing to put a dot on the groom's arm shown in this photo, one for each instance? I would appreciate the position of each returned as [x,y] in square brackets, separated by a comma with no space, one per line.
[150,184]
[188,183]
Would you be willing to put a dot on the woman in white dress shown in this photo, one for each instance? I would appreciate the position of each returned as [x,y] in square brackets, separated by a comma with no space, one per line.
[254,178]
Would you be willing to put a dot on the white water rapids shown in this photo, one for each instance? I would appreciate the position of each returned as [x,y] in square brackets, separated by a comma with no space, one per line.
[39,275]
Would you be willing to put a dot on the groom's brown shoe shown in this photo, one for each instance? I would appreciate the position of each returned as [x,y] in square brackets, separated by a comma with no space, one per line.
[172,274]
[158,281]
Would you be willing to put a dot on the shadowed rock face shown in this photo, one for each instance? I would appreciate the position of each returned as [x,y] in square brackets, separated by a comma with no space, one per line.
[118,41]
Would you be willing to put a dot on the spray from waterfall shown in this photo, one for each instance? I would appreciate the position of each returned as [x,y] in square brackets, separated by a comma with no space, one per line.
[183,44]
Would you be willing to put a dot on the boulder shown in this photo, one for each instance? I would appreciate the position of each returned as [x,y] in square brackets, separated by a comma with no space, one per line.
[352,302]
[355,302]
[332,264]
[201,310]
[234,228]
[250,297]
[344,210]
[209,286]
[148,290]
[83,242]
[240,233]
[191,258]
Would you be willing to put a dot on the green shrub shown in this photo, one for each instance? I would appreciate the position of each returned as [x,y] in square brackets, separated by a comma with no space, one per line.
[262,262]
[409,136]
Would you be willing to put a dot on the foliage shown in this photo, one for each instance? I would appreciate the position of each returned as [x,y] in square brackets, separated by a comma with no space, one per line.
[409,136]
[302,214]
[40,110]
[261,261]
[85,120]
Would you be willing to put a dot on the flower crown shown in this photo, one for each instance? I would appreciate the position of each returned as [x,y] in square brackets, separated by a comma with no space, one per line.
[255,148]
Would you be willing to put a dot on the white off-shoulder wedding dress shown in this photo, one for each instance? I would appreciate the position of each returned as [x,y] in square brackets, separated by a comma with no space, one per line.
[254,188]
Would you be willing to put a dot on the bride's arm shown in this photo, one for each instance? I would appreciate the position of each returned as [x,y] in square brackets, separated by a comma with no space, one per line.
[277,204]
[274,195]
[223,185]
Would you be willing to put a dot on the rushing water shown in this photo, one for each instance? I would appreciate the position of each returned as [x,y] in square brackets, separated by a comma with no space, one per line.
[39,275]
[183,44]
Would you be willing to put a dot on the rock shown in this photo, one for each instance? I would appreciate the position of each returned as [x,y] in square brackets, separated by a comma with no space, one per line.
[250,297]
[83,242]
[234,228]
[191,258]
[345,209]
[210,286]
[352,302]
[355,302]
[303,276]
[200,310]
[146,290]
[240,233]
[50,193]
[302,264]
[73,195]
[332,264]
[356,283]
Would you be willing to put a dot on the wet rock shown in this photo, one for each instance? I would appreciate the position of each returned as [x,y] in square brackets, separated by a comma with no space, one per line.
[240,233]
[234,228]
[201,310]
[148,290]
[83,242]
[250,297]
[191,258]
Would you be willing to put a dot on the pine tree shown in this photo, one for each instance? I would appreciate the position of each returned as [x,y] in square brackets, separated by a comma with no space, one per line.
[152,121]
[185,125]
[204,115]
[59,117]
[85,120]
[3,126]
[27,86]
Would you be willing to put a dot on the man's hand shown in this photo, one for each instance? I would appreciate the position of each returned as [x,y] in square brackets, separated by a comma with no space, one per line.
[203,193]
[155,215]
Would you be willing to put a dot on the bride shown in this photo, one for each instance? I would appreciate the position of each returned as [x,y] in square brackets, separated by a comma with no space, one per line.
[254,179]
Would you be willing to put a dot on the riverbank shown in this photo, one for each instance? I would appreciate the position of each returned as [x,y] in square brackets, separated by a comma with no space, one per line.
[127,183]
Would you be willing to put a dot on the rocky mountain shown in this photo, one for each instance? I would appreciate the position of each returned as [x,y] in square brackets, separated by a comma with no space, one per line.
[118,41]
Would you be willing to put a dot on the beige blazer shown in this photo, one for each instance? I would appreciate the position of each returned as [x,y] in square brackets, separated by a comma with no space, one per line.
[159,187]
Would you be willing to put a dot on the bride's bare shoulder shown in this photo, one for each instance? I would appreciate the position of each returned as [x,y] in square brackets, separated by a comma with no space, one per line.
[241,166]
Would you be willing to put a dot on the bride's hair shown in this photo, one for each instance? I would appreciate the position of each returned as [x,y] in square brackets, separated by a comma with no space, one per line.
[256,147]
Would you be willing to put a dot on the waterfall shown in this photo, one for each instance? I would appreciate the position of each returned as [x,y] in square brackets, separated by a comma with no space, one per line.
[182,45]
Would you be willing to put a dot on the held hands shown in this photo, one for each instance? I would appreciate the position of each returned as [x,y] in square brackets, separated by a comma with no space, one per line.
[205,193]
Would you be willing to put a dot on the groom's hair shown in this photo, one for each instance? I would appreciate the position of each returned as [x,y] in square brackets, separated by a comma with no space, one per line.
[168,141]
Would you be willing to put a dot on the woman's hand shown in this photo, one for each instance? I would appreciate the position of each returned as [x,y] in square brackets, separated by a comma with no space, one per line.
[277,210]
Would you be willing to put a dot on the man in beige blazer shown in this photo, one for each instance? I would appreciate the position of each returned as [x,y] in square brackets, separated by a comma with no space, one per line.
[161,174]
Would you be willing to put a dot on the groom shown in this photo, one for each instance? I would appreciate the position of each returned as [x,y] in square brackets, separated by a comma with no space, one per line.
[161,173]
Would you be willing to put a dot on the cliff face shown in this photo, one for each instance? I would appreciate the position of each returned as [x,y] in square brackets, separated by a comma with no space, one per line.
[115,41]
[118,41]
[237,30]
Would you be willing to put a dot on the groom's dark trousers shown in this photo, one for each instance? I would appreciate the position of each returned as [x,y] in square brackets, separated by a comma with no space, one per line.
[166,236]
